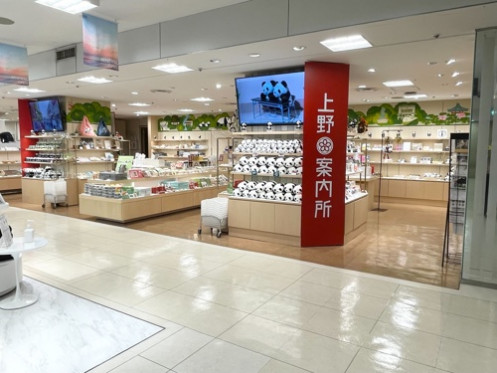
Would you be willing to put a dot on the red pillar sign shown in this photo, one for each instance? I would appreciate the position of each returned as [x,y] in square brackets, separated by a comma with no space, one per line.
[326,99]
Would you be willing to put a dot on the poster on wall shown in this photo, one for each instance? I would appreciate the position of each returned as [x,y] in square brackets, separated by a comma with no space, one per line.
[325,139]
[100,43]
[13,65]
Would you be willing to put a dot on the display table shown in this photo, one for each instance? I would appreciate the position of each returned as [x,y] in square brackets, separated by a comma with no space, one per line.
[125,210]
[33,191]
[279,222]
[20,299]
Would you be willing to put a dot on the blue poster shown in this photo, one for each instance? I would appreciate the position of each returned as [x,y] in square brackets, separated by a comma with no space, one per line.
[13,65]
[100,43]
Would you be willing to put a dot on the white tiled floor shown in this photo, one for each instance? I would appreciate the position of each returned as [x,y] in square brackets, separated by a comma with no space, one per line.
[227,310]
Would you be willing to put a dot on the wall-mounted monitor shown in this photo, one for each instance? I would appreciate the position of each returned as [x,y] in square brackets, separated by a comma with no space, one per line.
[276,98]
[46,115]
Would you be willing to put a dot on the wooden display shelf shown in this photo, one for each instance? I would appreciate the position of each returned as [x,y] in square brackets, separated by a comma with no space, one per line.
[33,191]
[125,210]
[279,222]
[10,183]
[418,192]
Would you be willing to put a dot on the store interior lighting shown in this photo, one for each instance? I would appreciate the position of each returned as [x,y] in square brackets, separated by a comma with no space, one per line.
[346,43]
[70,6]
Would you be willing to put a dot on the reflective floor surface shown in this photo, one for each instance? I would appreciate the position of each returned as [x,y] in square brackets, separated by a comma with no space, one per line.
[230,310]
[404,241]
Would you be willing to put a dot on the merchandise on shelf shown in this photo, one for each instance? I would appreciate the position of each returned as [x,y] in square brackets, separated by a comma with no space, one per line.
[270,190]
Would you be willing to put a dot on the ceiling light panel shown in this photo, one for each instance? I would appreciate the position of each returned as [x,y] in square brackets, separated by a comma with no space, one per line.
[94,80]
[398,83]
[172,68]
[28,90]
[139,104]
[346,43]
[202,99]
[70,6]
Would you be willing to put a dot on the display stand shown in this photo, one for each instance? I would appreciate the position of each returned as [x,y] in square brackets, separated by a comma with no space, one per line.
[456,205]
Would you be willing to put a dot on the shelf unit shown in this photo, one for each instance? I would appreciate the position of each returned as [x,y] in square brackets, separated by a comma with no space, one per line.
[10,168]
[191,147]
[411,161]
[454,226]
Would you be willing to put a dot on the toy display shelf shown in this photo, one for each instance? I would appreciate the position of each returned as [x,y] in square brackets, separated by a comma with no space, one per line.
[273,132]
[284,176]
[239,154]
[279,222]
[125,210]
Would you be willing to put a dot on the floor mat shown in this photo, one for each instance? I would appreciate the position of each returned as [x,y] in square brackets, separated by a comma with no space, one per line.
[63,333]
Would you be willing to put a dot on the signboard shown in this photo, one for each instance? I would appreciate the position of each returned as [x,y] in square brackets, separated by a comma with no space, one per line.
[13,65]
[100,43]
[325,142]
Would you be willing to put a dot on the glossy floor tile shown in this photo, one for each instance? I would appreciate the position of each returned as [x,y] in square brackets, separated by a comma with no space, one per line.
[402,241]
[232,310]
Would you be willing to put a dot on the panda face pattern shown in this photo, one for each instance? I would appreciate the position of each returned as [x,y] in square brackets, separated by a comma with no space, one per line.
[297,162]
[297,198]
[297,189]
[289,162]
[281,92]
[269,186]
[278,188]
[279,162]
[288,197]
[267,90]
[238,192]
[261,161]
[289,187]
[270,161]
[242,185]
[279,197]
[251,185]
[238,168]
[253,194]
[260,186]
[252,161]
[262,170]
[243,160]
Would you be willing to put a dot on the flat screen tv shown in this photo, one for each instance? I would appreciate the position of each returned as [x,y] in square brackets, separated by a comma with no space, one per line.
[276,98]
[46,115]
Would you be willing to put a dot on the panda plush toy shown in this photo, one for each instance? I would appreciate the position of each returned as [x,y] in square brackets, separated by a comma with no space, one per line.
[267,91]
[281,92]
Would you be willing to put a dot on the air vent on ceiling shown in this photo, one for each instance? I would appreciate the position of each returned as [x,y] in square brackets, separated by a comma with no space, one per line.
[396,97]
[160,91]
[66,53]
[410,93]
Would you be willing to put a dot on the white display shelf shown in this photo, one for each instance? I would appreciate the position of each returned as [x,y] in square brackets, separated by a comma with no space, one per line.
[180,140]
[268,154]
[408,151]
[177,148]
[411,164]
[268,133]
[267,175]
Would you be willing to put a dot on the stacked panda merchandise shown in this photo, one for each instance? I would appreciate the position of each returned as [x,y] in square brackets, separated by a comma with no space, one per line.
[269,190]
[284,157]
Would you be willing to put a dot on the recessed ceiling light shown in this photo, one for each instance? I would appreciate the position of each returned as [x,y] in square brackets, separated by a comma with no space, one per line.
[134,93]
[455,73]
[113,105]
[371,70]
[346,43]
[28,90]
[202,99]
[416,96]
[94,80]
[366,100]
[254,55]
[440,75]
[398,83]
[362,86]
[219,85]
[431,63]
[70,6]
[172,68]
[458,84]
[298,48]
[207,104]
[139,104]
[186,110]
[138,113]
[203,89]
[215,60]
[450,61]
